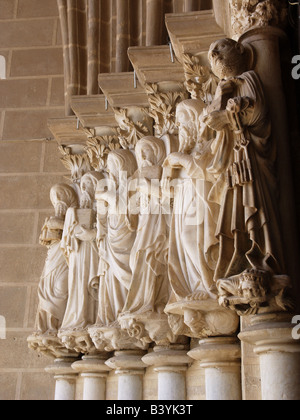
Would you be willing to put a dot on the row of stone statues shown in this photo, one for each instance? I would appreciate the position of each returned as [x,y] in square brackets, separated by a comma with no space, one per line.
[158,247]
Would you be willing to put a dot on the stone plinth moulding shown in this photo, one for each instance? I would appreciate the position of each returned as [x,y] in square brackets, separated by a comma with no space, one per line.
[221,359]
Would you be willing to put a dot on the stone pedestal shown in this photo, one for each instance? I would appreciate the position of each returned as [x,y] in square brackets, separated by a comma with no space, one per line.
[94,372]
[221,359]
[279,354]
[65,387]
[171,364]
[129,367]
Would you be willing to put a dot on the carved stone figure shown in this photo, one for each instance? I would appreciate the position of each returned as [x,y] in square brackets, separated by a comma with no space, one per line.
[193,308]
[248,14]
[53,287]
[117,231]
[143,314]
[79,246]
[245,186]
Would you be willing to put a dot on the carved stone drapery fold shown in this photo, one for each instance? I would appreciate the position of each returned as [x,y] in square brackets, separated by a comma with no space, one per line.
[97,33]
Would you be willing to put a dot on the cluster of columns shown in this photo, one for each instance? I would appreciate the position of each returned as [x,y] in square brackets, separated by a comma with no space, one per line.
[270,335]
[222,358]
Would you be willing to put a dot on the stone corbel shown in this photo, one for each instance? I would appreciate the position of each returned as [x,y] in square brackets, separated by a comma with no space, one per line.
[255,292]
[129,102]
[201,317]
[148,328]
[71,138]
[49,346]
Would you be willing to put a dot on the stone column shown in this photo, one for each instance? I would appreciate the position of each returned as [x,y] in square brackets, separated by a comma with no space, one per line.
[221,359]
[129,367]
[171,363]
[279,354]
[94,372]
[65,387]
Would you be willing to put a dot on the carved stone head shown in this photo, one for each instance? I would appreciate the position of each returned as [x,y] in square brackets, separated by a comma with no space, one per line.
[62,197]
[150,151]
[121,161]
[88,185]
[187,120]
[228,58]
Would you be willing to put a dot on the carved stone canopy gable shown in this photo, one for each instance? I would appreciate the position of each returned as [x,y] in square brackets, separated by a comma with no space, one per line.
[248,14]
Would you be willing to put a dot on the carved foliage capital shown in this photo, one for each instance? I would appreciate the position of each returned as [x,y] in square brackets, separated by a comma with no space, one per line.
[248,14]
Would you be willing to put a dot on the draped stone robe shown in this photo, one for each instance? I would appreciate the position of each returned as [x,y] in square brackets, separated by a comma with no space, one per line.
[149,290]
[114,269]
[248,225]
[193,245]
[53,291]
[83,263]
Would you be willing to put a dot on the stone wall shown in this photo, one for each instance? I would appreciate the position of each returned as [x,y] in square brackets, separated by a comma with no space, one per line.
[29,165]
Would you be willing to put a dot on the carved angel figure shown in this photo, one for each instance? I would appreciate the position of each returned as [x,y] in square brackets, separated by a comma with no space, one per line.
[243,166]
[53,287]
[79,246]
[143,314]
[193,251]
[117,231]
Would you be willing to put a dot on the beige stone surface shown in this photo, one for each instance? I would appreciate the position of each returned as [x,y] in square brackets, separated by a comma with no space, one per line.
[30,41]
[37,62]
[26,33]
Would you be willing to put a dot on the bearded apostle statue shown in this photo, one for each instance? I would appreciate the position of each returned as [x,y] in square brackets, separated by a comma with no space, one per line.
[250,272]
[193,308]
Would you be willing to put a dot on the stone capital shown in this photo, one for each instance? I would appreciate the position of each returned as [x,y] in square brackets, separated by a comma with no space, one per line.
[127,362]
[168,359]
[271,333]
[217,352]
[62,367]
[92,365]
